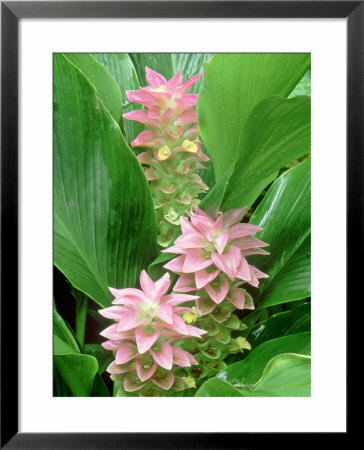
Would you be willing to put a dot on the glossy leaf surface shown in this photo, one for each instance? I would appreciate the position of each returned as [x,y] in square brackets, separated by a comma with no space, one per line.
[122,69]
[107,89]
[282,324]
[251,368]
[234,84]
[104,217]
[275,133]
[285,215]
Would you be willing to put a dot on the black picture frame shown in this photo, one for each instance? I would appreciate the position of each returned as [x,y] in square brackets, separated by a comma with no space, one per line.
[11,12]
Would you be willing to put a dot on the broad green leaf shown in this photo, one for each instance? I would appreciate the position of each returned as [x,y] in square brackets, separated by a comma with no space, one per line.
[78,372]
[234,84]
[63,340]
[99,388]
[212,201]
[190,64]
[103,356]
[250,369]
[303,87]
[122,69]
[287,375]
[104,217]
[275,133]
[159,62]
[282,324]
[107,89]
[60,388]
[285,215]
[215,387]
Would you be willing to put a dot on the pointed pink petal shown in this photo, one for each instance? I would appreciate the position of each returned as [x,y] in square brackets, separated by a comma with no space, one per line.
[154,79]
[218,293]
[249,242]
[162,285]
[128,296]
[111,345]
[112,333]
[125,353]
[177,299]
[228,262]
[164,356]
[113,312]
[145,158]
[243,270]
[175,81]
[186,86]
[187,118]
[147,284]
[243,229]
[221,241]
[131,383]
[142,116]
[195,260]
[253,279]
[180,357]
[143,340]
[194,331]
[192,240]
[144,373]
[129,320]
[185,283]
[258,273]
[115,369]
[165,382]
[232,216]
[165,313]
[186,101]
[178,326]
[204,277]
[176,264]
[181,309]
[254,251]
[144,138]
[237,298]
[192,359]
[175,249]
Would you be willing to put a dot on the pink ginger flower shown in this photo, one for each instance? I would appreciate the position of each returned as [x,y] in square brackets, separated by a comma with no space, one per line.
[213,261]
[147,327]
[174,152]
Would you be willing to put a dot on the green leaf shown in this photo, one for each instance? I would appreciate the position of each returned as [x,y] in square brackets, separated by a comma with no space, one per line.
[159,62]
[99,388]
[233,86]
[78,372]
[190,64]
[287,375]
[122,69]
[103,235]
[212,201]
[285,215]
[63,340]
[250,369]
[103,356]
[107,89]
[285,323]
[275,133]
[215,387]
[303,87]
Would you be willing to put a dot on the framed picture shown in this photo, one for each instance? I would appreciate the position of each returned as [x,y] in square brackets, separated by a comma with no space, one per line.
[157,217]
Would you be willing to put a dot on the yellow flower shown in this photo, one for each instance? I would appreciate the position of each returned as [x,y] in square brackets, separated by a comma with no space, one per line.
[243,343]
[164,152]
[190,146]
[191,316]
[189,381]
